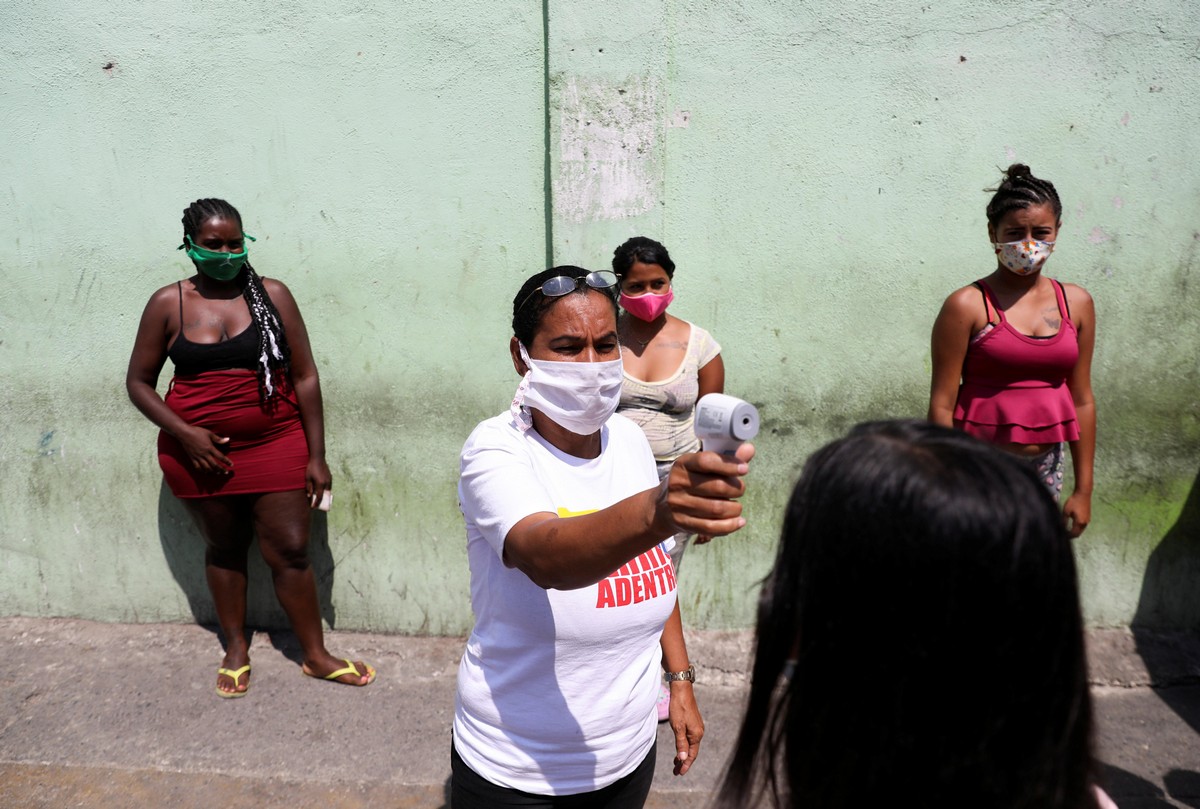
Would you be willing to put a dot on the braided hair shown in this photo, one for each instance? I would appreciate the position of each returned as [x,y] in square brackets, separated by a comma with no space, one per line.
[274,355]
[1020,189]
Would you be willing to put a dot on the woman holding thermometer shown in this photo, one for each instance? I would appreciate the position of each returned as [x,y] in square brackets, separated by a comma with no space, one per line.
[576,617]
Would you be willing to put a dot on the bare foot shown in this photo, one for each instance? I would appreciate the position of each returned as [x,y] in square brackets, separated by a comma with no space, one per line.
[323,669]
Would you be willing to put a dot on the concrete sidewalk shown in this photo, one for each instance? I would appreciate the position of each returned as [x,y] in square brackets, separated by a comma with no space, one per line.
[125,715]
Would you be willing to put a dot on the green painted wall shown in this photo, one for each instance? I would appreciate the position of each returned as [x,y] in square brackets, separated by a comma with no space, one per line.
[816,169]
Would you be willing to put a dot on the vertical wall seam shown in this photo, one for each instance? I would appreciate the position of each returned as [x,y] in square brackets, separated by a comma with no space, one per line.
[547,182]
[670,82]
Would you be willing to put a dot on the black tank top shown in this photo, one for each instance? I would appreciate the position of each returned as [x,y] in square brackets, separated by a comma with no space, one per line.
[239,351]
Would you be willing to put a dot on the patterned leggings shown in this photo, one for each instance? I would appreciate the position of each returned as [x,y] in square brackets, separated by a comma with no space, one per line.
[1049,469]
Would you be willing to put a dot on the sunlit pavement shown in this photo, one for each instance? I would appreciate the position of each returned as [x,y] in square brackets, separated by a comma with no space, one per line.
[115,715]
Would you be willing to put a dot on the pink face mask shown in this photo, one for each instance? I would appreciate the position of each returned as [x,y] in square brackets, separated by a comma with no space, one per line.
[647,307]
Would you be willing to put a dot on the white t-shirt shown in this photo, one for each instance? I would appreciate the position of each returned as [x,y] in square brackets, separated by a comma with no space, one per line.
[557,688]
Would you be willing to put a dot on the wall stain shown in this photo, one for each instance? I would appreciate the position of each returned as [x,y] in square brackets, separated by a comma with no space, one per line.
[45,448]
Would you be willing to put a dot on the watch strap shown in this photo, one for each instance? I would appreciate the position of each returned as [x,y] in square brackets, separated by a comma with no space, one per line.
[688,675]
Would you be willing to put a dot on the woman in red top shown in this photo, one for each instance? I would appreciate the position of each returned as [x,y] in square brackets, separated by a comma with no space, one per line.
[1012,352]
[242,440]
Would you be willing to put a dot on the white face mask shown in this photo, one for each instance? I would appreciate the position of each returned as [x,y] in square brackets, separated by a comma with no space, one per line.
[579,396]
[1024,257]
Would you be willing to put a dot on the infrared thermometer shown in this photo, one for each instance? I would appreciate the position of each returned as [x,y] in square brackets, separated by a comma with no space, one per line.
[724,422]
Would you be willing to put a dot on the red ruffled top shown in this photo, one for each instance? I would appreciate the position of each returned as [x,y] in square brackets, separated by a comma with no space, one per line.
[1014,387]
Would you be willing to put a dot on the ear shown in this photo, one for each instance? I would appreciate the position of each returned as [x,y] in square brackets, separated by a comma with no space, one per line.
[992,234]
[514,348]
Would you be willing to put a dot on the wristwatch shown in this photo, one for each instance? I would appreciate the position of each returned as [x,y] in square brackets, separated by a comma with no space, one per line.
[674,676]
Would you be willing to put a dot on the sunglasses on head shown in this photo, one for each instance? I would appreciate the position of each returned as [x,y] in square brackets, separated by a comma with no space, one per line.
[560,285]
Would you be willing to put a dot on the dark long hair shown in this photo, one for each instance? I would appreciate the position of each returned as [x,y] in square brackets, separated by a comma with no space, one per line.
[274,355]
[926,589]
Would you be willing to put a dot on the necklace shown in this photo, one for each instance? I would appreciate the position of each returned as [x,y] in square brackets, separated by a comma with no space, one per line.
[643,343]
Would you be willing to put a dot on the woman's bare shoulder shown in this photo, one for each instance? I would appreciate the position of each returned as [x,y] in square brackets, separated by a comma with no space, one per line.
[677,328]
[963,299]
[167,296]
[278,291]
[1074,293]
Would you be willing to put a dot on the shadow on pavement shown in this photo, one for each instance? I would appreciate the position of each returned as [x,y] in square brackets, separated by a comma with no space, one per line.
[1127,789]
[1130,791]
[1183,786]
[446,794]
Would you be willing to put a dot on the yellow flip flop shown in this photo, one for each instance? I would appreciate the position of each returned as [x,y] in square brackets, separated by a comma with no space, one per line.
[350,668]
[235,676]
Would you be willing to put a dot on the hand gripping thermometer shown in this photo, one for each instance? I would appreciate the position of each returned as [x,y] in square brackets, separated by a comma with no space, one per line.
[724,422]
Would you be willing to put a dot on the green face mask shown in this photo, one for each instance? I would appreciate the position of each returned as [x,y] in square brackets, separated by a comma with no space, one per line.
[218,266]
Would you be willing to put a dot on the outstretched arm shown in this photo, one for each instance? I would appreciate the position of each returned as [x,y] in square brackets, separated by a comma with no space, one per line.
[698,496]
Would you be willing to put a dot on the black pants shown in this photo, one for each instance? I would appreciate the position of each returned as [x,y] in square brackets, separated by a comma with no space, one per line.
[470,790]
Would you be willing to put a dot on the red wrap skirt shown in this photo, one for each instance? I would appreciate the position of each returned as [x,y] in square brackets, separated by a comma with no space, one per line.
[266,442]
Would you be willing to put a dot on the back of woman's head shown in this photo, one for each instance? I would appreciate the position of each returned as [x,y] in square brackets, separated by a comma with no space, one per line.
[925,586]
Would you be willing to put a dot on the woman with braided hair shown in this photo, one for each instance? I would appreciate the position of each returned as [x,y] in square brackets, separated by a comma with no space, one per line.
[242,439]
[1012,352]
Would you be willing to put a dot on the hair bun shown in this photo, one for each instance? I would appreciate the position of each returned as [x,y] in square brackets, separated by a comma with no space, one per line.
[1020,189]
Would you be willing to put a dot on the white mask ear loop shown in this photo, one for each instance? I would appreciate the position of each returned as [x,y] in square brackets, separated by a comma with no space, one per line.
[520,415]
